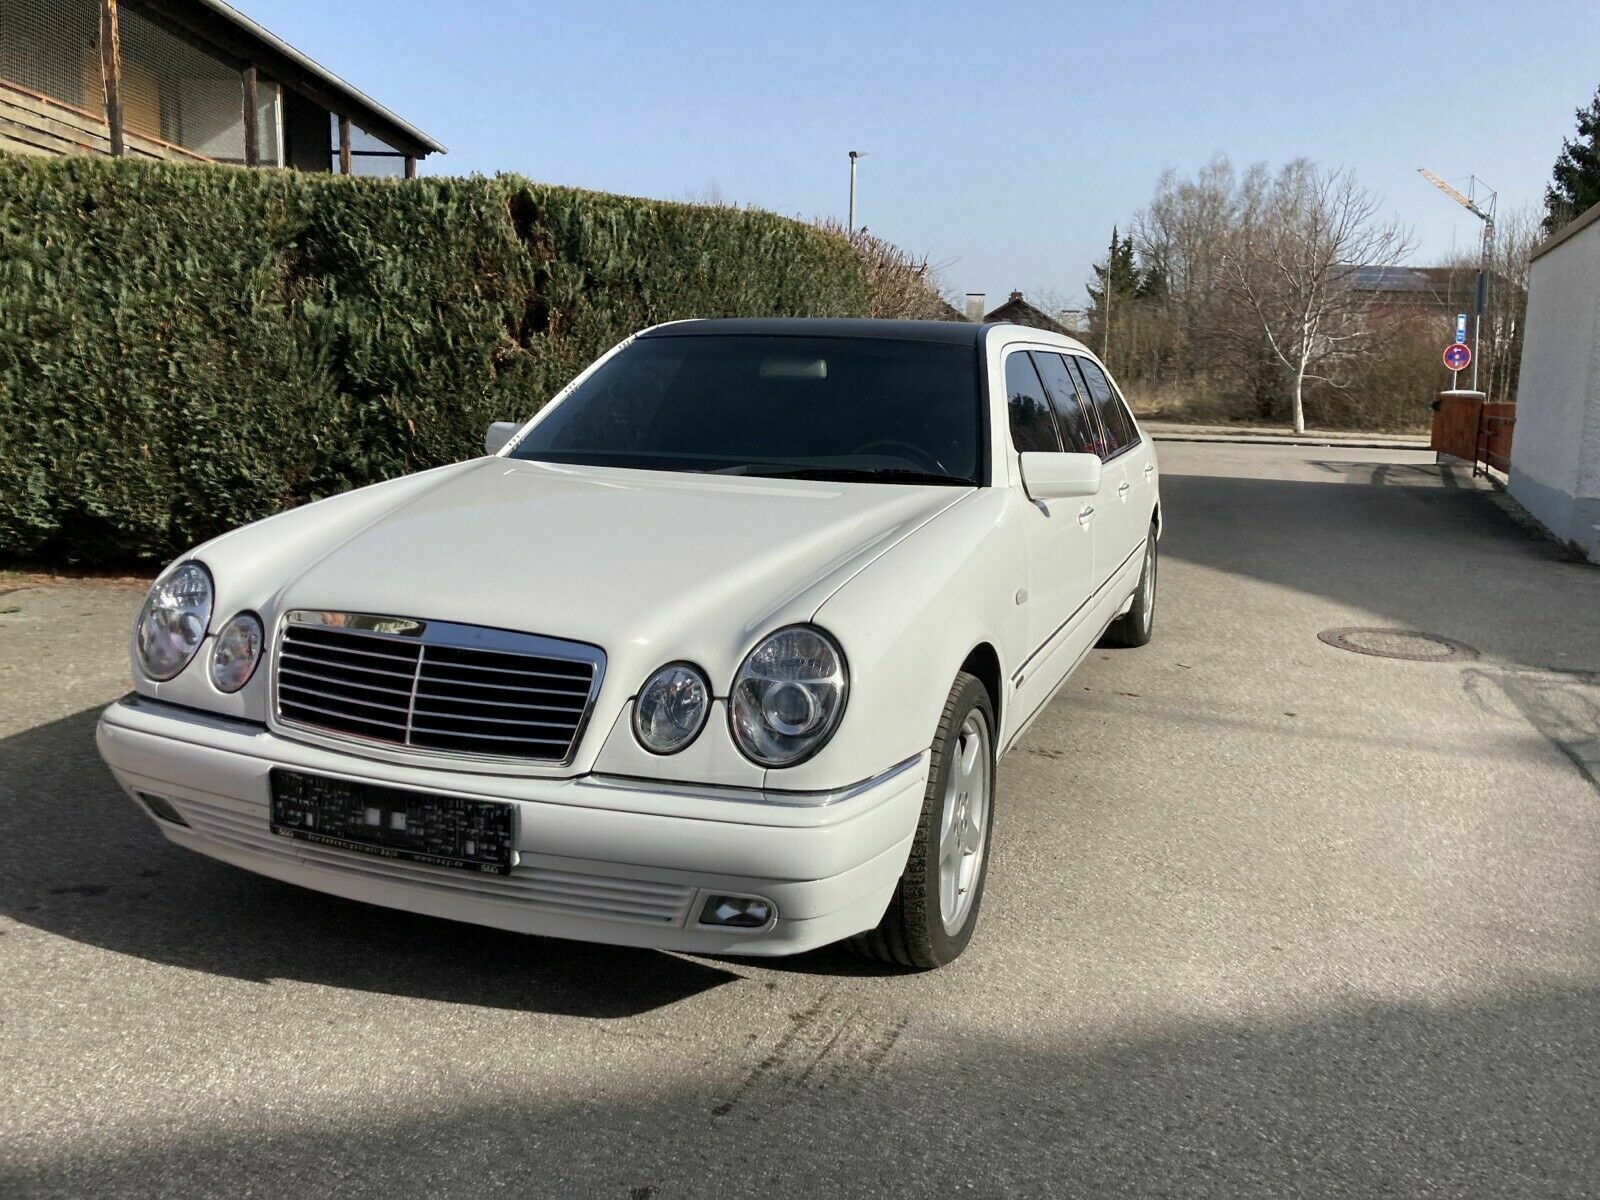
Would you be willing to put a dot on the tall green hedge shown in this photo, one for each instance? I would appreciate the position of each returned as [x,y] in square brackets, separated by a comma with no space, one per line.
[184,349]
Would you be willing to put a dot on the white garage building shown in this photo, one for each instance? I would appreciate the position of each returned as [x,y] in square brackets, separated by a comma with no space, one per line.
[1555,452]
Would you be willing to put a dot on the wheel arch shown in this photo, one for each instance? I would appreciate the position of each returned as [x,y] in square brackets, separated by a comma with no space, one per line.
[983,662]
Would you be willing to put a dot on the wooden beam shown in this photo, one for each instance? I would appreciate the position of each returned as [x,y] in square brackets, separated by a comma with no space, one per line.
[252,134]
[111,72]
[344,145]
[411,166]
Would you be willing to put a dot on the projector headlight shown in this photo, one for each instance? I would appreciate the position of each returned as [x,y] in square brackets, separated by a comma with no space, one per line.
[788,696]
[173,621]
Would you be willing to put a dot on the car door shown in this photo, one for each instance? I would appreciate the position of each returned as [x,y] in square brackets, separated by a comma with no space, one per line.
[1116,540]
[1080,434]
[1140,469]
[1060,540]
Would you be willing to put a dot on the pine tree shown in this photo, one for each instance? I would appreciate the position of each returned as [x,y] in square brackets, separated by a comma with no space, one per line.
[1120,277]
[1575,186]
[1153,284]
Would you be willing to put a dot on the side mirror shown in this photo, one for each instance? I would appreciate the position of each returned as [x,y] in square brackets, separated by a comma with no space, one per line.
[1050,476]
[499,434]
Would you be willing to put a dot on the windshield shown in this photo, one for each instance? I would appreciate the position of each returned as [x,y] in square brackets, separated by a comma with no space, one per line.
[786,407]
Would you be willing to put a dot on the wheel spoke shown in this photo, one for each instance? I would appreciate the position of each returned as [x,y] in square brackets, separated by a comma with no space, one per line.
[971,745]
[963,820]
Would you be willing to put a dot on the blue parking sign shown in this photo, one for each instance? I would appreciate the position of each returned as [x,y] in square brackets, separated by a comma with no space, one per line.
[1461,328]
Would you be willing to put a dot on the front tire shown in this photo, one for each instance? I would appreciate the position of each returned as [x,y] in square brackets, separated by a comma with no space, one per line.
[1136,626]
[934,909]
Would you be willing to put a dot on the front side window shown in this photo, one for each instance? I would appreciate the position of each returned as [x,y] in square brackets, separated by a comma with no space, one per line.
[1077,428]
[1115,423]
[1032,425]
[841,408]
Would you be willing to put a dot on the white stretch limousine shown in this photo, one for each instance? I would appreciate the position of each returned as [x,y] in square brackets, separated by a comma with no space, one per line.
[717,653]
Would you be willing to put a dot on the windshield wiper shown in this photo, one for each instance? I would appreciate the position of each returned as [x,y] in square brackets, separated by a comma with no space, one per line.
[858,474]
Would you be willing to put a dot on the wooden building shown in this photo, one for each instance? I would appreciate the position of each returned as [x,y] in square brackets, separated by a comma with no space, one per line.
[188,81]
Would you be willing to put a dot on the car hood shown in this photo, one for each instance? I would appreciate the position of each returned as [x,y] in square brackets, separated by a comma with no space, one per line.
[650,566]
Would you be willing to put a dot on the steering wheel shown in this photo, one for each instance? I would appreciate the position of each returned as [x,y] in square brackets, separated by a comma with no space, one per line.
[905,450]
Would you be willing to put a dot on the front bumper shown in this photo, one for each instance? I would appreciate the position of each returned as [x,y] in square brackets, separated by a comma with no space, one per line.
[603,860]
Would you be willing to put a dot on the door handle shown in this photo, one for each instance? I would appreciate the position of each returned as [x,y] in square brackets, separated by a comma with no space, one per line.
[1123,488]
[1149,469]
[1085,513]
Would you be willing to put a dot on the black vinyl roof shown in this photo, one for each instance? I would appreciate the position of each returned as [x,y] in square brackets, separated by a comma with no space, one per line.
[948,333]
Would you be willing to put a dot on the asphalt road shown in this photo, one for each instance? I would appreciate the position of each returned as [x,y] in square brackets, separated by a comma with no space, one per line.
[1265,918]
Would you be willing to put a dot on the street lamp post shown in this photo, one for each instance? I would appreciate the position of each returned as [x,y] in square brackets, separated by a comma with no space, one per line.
[854,154]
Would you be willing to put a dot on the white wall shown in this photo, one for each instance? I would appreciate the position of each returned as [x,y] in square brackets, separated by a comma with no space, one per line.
[1555,448]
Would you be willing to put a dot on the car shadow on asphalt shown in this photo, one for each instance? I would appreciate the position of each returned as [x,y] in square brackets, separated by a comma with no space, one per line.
[1488,1095]
[78,860]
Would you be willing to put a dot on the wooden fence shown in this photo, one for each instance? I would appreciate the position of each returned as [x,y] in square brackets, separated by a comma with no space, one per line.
[1465,427]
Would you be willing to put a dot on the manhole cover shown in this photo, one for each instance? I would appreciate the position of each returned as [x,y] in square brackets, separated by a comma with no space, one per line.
[1398,643]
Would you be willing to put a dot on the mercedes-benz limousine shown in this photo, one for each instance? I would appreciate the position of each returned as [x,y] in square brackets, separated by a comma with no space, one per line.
[719,652]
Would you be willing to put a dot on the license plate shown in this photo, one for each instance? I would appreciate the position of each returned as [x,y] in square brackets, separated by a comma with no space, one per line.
[447,831]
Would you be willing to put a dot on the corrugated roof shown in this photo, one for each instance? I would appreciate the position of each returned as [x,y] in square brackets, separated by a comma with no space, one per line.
[1386,279]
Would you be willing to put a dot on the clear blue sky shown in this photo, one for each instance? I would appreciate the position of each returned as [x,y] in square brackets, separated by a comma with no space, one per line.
[1004,139]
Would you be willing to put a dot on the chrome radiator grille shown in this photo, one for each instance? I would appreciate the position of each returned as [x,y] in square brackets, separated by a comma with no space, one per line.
[434,686]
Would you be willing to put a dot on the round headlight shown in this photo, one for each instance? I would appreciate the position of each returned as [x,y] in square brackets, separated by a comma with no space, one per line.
[671,708]
[173,621]
[788,696]
[235,653]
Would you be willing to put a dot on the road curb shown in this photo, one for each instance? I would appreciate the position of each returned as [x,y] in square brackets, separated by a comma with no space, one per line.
[1246,440]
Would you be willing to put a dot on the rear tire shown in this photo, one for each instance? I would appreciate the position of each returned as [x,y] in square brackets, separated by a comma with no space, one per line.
[1135,627]
[934,909]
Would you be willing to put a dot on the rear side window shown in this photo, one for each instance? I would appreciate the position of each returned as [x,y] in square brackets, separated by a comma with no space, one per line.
[1032,426]
[1077,428]
[1115,422]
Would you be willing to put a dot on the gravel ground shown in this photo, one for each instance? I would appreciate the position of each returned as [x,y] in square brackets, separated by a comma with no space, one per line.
[1265,918]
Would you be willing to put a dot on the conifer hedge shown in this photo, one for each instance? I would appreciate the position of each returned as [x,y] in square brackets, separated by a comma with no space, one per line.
[184,349]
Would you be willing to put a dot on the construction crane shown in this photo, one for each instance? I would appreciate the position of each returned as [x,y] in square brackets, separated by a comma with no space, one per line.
[1487,217]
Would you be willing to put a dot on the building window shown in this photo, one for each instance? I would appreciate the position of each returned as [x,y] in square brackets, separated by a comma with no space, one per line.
[368,155]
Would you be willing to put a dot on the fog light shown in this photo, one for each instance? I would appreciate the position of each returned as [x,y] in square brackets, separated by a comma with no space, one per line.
[162,808]
[736,912]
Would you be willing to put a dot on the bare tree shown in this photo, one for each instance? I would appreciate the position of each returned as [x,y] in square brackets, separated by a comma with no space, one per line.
[1298,238]
[709,196]
[1179,240]
[1181,236]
